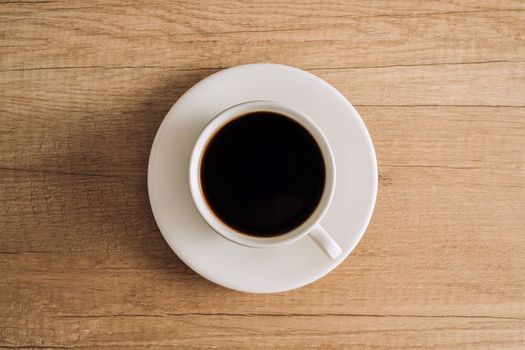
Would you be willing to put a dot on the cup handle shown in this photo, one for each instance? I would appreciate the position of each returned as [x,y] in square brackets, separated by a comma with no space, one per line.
[323,239]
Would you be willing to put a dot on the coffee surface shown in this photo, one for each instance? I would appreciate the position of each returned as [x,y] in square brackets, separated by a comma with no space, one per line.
[262,174]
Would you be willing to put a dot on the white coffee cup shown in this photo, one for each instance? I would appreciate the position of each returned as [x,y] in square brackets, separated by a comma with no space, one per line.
[311,225]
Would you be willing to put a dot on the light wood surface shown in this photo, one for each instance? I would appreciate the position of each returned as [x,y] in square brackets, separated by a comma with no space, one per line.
[84,86]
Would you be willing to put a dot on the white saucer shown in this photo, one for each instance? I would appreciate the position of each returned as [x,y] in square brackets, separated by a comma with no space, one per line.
[251,269]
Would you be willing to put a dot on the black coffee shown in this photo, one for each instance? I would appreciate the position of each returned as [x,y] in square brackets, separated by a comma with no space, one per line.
[262,174]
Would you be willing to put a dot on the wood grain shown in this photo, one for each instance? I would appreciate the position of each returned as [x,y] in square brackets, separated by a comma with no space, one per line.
[83,88]
[266,332]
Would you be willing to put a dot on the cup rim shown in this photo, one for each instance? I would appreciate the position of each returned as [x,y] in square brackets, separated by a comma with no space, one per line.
[228,232]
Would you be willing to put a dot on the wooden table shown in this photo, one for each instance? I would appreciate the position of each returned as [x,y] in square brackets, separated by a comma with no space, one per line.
[84,86]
